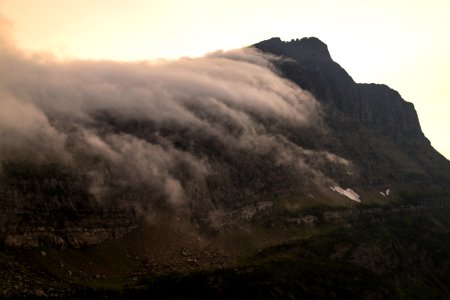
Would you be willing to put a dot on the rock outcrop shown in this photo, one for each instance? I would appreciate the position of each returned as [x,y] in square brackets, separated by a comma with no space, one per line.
[370,124]
[45,205]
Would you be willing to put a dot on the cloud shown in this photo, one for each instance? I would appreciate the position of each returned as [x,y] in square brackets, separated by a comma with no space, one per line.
[177,133]
[26,132]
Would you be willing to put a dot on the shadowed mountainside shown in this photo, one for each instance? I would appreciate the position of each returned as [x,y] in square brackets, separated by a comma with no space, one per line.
[370,124]
[219,155]
[219,177]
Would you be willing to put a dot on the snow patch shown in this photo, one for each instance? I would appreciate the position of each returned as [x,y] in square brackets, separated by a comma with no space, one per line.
[349,193]
[386,193]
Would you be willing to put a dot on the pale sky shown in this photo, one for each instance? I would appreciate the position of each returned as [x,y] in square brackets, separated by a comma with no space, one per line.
[404,44]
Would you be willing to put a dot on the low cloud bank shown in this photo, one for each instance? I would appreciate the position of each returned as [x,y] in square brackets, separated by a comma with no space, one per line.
[159,132]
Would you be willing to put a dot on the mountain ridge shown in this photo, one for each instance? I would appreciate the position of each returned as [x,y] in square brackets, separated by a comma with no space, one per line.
[375,107]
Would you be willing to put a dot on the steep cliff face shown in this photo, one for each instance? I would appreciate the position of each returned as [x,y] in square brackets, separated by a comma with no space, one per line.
[374,105]
[370,124]
[46,205]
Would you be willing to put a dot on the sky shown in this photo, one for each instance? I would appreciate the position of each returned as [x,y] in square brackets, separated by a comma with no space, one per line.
[404,44]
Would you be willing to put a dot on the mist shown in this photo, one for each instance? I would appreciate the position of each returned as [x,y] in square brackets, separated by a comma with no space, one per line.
[164,132]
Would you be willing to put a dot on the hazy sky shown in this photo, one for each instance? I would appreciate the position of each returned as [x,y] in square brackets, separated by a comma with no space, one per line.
[404,44]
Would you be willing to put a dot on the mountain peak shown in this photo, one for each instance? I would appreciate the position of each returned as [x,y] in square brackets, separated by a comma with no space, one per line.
[299,49]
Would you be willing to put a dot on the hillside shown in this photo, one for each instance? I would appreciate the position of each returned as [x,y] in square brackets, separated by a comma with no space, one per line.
[263,172]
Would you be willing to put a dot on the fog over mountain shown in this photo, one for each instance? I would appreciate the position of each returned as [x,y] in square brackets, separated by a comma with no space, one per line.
[267,167]
[153,126]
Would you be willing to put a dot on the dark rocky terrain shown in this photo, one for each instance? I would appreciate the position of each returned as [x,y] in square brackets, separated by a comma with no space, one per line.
[240,208]
[371,125]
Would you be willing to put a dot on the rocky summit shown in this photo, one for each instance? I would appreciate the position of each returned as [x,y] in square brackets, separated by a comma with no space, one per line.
[370,124]
[265,172]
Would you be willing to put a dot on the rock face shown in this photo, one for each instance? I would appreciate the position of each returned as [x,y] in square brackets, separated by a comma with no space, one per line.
[370,141]
[375,106]
[370,124]
[304,49]
[44,205]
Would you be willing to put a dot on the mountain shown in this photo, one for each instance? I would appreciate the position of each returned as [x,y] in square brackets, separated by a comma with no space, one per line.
[264,172]
[372,125]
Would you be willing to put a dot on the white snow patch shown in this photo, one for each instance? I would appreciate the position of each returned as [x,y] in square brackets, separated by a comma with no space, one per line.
[349,193]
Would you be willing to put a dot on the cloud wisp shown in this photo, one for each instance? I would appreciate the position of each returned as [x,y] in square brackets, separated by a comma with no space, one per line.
[161,133]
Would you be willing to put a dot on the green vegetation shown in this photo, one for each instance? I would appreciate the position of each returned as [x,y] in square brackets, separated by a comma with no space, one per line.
[403,257]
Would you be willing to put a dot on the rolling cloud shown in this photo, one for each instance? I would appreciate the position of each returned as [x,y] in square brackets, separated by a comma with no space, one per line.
[159,132]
